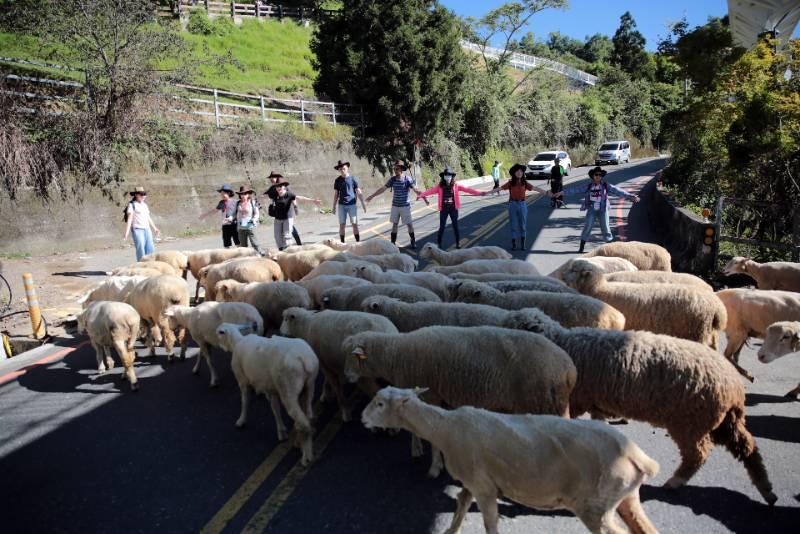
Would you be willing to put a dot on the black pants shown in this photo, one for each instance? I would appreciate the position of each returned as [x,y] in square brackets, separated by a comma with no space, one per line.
[296,235]
[555,187]
[230,234]
[448,210]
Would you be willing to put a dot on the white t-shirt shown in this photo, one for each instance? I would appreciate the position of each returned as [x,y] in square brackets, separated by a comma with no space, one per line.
[596,195]
[140,213]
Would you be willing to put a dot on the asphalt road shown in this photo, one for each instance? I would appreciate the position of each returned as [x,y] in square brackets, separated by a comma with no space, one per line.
[79,452]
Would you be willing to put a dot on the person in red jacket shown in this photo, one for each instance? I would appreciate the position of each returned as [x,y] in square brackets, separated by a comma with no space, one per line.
[449,201]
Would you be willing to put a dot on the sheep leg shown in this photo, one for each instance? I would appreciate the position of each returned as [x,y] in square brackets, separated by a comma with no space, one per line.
[205,354]
[416,446]
[437,462]
[735,344]
[332,379]
[694,453]
[169,337]
[598,520]
[153,338]
[632,513]
[326,390]
[126,357]
[182,341]
[196,292]
[307,397]
[275,404]
[302,425]
[244,389]
[109,359]
[488,507]
[101,366]
[464,501]
[794,393]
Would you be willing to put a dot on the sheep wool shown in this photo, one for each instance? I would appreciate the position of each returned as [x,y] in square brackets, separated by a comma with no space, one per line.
[454,257]
[351,298]
[645,256]
[112,324]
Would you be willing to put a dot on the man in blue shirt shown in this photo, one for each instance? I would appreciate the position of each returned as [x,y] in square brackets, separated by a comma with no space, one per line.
[346,189]
[400,184]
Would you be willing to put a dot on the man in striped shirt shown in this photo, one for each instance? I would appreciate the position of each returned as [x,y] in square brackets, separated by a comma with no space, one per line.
[400,184]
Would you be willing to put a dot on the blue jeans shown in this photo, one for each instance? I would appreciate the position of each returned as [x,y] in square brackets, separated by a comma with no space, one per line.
[518,214]
[602,216]
[143,242]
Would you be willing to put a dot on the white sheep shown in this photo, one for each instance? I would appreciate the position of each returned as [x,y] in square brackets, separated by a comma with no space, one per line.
[281,368]
[645,256]
[536,460]
[399,261]
[782,338]
[607,264]
[486,266]
[114,288]
[674,310]
[201,258]
[454,257]
[781,275]
[408,317]
[270,299]
[240,269]
[318,285]
[334,268]
[660,277]
[202,322]
[178,260]
[502,370]
[322,330]
[521,285]
[684,387]
[569,310]
[369,247]
[151,298]
[750,312]
[135,271]
[438,283]
[296,264]
[351,298]
[112,324]
[160,266]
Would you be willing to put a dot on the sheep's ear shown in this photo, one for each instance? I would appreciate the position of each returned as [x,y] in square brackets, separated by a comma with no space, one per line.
[796,341]
[359,352]
[419,391]
[584,274]
[373,306]
[169,312]
[476,293]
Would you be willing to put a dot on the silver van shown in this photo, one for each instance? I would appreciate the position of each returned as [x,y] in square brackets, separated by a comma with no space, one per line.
[615,152]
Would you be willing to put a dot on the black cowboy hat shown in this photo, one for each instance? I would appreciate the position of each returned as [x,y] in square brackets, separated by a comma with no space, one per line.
[281,182]
[341,164]
[447,171]
[596,170]
[274,174]
[244,189]
[517,167]
[400,163]
[138,190]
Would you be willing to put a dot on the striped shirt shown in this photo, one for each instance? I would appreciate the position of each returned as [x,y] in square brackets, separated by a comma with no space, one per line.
[400,186]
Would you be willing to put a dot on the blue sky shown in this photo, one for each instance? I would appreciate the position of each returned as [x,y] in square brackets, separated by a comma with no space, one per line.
[587,17]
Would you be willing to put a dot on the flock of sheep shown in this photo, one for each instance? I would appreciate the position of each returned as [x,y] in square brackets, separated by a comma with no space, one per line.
[613,333]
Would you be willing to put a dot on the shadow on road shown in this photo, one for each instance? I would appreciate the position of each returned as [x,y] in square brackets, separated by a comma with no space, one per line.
[81,274]
[777,427]
[754,399]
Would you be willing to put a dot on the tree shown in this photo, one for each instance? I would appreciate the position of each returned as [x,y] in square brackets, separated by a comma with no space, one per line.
[629,53]
[597,49]
[706,52]
[563,44]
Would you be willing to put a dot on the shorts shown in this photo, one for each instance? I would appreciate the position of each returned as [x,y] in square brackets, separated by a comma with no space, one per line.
[400,212]
[346,210]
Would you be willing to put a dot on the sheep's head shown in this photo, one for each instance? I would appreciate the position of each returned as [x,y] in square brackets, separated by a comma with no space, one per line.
[737,264]
[225,289]
[782,338]
[334,244]
[582,274]
[202,273]
[291,321]
[427,251]
[174,315]
[228,334]
[82,321]
[386,408]
[531,320]
[356,362]
[374,304]
[469,291]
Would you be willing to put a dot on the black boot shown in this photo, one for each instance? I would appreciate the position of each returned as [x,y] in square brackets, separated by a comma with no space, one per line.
[413,244]
[341,238]
[522,244]
[583,243]
[358,237]
[394,237]
[513,244]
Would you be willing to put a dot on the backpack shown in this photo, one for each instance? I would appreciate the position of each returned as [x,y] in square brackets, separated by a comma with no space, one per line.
[253,205]
[125,211]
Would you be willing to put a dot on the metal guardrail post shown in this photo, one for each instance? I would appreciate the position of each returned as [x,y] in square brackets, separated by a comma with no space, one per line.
[206,4]
[333,112]
[280,12]
[717,231]
[33,306]
[263,112]
[258,10]
[233,10]
[216,108]
[302,112]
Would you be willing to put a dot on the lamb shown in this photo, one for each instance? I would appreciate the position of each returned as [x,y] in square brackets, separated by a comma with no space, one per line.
[321,330]
[178,260]
[281,368]
[151,298]
[296,264]
[269,299]
[544,461]
[160,266]
[675,310]
[114,288]
[239,269]
[202,258]
[399,262]
[782,338]
[750,312]
[112,324]
[569,310]
[781,275]
[486,266]
[607,264]
[351,298]
[454,257]
[659,277]
[334,268]
[202,322]
[645,256]
[318,285]
[682,386]
[521,285]
[438,283]
[370,247]
[493,368]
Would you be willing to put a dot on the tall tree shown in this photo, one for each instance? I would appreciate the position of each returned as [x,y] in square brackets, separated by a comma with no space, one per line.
[629,53]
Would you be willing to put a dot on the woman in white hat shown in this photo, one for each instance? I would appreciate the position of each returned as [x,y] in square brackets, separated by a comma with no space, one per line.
[140,224]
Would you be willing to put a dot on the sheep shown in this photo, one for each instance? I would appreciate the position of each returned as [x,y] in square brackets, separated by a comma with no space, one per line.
[318,285]
[521,285]
[607,264]
[645,256]
[307,246]
[675,310]
[178,260]
[202,258]
[151,298]
[296,264]
[781,275]
[269,299]
[782,338]
[351,298]
[321,330]
[685,387]
[569,310]
[408,317]
[281,368]
[542,460]
[438,283]
[399,261]
[486,266]
[241,270]
[370,247]
[505,277]
[134,271]
[160,266]
[493,368]
[112,324]
[202,322]
[334,268]
[659,277]
[454,257]
[750,312]
[114,288]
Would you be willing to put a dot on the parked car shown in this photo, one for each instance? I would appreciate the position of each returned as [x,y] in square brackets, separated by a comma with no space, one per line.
[541,165]
[615,152]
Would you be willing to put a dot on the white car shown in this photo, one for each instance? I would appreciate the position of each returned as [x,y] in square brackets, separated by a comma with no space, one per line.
[613,152]
[541,165]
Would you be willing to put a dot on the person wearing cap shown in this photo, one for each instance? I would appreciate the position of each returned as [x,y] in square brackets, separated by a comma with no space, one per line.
[272,193]
[247,216]
[556,183]
[448,190]
[496,176]
[140,224]
[517,188]
[595,203]
[344,197]
[400,184]
[227,207]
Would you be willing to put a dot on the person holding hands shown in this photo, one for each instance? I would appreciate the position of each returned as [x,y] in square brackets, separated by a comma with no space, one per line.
[517,188]
[400,184]
[448,190]
[344,198]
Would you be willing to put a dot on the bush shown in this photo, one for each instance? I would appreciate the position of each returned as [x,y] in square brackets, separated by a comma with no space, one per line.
[199,23]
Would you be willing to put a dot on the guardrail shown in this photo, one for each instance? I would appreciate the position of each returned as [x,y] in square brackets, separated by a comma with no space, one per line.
[257,9]
[765,206]
[526,62]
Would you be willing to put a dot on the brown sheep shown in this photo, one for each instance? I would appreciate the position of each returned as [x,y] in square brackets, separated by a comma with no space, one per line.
[645,256]
[240,269]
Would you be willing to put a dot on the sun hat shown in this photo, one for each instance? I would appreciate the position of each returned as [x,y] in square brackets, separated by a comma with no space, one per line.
[400,163]
[244,190]
[274,174]
[341,164]
[138,190]
[596,170]
[281,182]
[447,171]
[225,188]
[517,167]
